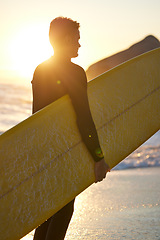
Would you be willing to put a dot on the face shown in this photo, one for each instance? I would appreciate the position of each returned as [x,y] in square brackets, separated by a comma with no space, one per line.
[72,44]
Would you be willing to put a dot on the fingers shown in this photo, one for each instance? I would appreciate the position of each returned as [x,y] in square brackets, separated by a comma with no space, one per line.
[100,177]
[101,169]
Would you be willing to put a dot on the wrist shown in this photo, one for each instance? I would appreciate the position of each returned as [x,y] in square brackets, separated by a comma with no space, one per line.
[98,155]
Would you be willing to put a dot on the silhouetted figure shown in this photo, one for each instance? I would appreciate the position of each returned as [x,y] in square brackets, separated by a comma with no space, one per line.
[53,79]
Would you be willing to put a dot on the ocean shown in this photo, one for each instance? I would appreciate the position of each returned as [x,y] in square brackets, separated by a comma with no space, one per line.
[126,205]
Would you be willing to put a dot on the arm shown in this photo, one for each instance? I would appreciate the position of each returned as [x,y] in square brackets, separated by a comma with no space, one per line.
[77,89]
[38,91]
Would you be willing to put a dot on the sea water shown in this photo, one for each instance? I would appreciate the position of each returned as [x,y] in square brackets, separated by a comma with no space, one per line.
[15,105]
[126,205]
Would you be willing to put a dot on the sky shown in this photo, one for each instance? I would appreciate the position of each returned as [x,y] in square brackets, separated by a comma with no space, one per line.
[107,26]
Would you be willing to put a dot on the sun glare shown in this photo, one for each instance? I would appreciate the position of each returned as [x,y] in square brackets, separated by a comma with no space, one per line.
[29,47]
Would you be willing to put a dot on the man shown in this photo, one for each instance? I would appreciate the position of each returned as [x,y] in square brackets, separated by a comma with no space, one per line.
[53,79]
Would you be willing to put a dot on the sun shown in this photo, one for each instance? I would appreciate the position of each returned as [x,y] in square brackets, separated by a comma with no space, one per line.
[29,47]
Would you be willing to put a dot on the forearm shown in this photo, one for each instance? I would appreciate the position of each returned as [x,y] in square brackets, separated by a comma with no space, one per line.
[90,138]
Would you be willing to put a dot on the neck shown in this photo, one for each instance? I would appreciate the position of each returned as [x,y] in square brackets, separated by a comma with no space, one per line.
[61,56]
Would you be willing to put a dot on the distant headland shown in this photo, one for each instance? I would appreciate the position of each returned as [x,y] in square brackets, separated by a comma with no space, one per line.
[147,44]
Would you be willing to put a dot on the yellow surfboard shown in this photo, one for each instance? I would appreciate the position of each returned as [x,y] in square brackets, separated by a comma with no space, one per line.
[43,161]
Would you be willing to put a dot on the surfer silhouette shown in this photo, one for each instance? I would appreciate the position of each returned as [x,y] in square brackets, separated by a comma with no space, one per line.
[53,79]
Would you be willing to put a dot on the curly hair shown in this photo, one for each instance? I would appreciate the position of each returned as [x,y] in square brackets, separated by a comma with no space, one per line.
[59,28]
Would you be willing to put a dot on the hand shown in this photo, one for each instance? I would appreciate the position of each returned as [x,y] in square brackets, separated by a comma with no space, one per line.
[100,169]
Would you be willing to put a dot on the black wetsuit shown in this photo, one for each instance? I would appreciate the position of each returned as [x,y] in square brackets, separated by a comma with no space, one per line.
[50,83]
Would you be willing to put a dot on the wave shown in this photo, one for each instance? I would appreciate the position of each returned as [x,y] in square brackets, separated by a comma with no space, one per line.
[144,156]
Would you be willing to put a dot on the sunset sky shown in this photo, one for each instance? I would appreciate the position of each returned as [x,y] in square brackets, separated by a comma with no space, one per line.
[107,26]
